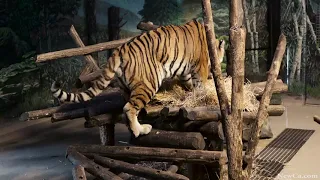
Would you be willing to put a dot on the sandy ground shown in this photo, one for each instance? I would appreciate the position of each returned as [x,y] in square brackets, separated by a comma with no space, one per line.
[36,149]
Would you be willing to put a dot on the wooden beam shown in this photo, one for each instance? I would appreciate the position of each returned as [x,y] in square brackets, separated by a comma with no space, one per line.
[78,159]
[149,154]
[81,50]
[171,139]
[78,173]
[137,170]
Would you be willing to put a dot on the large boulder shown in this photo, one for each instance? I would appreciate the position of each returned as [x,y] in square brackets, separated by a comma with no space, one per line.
[17,80]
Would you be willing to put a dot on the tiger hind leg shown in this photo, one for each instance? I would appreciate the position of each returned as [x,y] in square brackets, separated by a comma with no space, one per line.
[138,100]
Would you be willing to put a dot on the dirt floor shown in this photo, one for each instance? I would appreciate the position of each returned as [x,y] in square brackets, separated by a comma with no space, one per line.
[36,149]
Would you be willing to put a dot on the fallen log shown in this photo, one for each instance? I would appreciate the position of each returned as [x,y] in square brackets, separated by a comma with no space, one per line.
[149,154]
[78,159]
[316,119]
[278,87]
[78,173]
[136,170]
[81,50]
[146,26]
[171,139]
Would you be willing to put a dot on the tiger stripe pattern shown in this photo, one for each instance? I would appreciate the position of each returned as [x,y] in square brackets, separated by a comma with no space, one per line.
[145,61]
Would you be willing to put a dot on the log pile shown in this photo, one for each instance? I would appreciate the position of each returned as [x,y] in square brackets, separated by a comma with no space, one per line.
[180,135]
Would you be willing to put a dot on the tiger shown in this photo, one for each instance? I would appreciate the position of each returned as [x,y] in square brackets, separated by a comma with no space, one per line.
[142,63]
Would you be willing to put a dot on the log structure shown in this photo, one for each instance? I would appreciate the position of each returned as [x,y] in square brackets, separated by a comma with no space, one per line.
[182,135]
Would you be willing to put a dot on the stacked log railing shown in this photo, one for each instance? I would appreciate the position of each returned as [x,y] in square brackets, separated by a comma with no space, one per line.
[179,135]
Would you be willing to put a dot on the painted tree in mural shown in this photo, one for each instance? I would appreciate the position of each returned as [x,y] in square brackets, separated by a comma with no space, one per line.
[162,12]
[37,17]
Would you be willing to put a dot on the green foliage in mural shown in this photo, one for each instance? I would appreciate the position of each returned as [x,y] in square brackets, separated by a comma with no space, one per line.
[162,12]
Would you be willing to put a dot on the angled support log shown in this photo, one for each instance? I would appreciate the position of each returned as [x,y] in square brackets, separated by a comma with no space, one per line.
[171,139]
[150,154]
[78,173]
[264,103]
[136,169]
[78,159]
[76,38]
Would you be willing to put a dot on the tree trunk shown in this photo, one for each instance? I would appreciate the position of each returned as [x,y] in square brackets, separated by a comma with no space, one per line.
[256,35]
[91,24]
[303,59]
[113,24]
[313,34]
[297,58]
[247,21]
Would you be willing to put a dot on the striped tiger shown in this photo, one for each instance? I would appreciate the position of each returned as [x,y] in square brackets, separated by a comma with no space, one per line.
[145,61]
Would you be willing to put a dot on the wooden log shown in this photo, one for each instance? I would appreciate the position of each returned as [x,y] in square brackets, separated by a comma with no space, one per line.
[81,50]
[171,139]
[76,38]
[275,110]
[173,169]
[137,170]
[264,103]
[146,26]
[212,130]
[150,154]
[279,87]
[78,173]
[78,159]
[38,114]
[107,134]
[316,119]
[111,95]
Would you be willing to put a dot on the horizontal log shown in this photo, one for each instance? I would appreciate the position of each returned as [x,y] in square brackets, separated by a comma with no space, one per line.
[316,119]
[38,114]
[109,95]
[150,154]
[279,87]
[95,169]
[78,173]
[146,26]
[276,110]
[81,50]
[136,170]
[171,139]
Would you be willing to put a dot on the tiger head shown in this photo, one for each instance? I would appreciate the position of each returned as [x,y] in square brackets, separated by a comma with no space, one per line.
[220,54]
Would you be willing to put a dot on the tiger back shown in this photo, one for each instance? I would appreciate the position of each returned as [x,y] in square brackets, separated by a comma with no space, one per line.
[145,61]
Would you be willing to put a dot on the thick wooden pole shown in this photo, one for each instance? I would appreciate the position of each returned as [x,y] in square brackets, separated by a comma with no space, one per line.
[235,121]
[264,103]
[81,50]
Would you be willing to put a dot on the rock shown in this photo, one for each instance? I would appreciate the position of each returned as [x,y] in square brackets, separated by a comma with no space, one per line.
[265,132]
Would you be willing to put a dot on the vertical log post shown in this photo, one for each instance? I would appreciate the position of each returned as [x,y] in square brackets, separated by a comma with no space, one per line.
[231,123]
[107,134]
[264,103]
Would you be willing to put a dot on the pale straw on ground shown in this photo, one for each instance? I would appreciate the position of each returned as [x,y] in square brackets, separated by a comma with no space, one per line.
[174,95]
